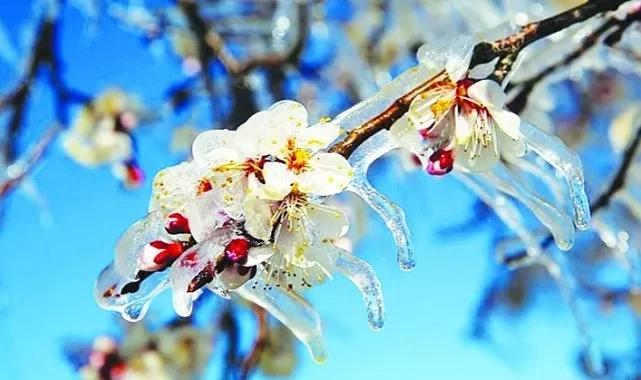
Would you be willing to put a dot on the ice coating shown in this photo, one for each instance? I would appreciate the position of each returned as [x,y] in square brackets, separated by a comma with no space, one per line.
[363,276]
[185,269]
[390,212]
[132,306]
[552,183]
[506,211]
[291,309]
[377,103]
[131,243]
[557,154]
[559,224]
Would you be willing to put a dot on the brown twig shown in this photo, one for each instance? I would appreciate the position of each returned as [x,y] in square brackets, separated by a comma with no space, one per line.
[508,48]
[236,68]
[505,49]
[387,118]
[251,360]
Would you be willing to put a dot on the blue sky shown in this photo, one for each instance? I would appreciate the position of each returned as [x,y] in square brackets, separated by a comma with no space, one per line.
[47,272]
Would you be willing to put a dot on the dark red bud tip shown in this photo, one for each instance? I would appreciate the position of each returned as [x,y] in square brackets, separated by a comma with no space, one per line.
[237,250]
[176,224]
[441,162]
[135,175]
[203,278]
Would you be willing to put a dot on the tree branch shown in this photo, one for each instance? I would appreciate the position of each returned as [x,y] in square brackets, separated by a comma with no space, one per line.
[506,49]
[30,163]
[613,28]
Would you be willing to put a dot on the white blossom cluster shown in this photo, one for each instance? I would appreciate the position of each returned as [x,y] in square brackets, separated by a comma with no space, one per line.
[247,217]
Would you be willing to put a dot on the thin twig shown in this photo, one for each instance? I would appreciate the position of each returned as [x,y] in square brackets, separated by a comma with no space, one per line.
[506,49]
[612,28]
[30,163]
[387,118]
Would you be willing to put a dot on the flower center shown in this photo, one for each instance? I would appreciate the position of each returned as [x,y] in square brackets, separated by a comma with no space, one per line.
[255,166]
[298,160]
[462,86]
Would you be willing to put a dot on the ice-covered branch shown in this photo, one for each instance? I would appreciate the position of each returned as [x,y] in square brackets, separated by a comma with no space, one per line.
[612,28]
[22,169]
[508,48]
[383,109]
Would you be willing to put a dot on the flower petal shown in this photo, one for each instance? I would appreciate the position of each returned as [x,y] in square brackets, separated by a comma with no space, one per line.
[278,182]
[465,123]
[459,54]
[213,148]
[407,137]
[229,188]
[508,122]
[292,241]
[258,255]
[330,174]
[258,215]
[317,137]
[205,216]
[176,185]
[233,277]
[427,110]
[289,113]
[488,93]
[509,146]
[331,222]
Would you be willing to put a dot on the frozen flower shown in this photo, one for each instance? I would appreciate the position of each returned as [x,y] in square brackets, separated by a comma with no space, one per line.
[101,135]
[226,223]
[195,238]
[462,119]
[278,152]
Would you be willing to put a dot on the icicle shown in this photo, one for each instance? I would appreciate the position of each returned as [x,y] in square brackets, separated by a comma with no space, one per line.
[557,154]
[363,276]
[559,224]
[132,305]
[554,185]
[390,212]
[507,211]
[291,309]
[557,267]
